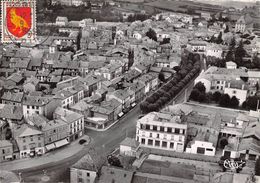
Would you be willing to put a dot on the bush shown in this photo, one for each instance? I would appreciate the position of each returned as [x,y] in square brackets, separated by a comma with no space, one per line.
[224,100]
[234,102]
[216,96]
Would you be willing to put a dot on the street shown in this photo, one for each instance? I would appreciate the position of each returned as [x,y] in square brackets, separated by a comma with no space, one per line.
[103,143]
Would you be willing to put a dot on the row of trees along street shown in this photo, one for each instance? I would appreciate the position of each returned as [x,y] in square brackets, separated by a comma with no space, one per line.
[189,68]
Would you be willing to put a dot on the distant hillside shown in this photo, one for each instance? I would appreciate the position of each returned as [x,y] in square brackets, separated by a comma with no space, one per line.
[229,3]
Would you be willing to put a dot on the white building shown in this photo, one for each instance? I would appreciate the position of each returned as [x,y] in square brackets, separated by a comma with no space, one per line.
[197,46]
[129,147]
[62,21]
[238,89]
[161,131]
[214,50]
[202,147]
[231,65]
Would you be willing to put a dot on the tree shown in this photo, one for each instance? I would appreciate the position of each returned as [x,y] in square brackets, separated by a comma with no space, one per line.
[219,38]
[216,96]
[200,87]
[195,93]
[240,52]
[114,161]
[256,62]
[257,167]
[226,29]
[223,143]
[224,100]
[202,97]
[161,77]
[130,58]
[251,103]
[151,34]
[234,102]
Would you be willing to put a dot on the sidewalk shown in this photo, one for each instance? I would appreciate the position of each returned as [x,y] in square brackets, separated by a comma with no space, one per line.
[51,157]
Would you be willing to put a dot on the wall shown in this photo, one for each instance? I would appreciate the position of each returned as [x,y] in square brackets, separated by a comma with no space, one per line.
[84,175]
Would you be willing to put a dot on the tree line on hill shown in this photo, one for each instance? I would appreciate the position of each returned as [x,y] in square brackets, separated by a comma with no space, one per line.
[189,68]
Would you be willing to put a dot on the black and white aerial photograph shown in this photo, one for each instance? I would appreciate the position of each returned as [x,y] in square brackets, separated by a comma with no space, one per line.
[130,91]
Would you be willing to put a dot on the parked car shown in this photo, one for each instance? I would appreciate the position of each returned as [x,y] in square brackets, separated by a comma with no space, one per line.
[82,141]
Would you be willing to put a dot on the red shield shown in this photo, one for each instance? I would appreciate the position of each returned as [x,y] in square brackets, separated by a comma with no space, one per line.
[19,20]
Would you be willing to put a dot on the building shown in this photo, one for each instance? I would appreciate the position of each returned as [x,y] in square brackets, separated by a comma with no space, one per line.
[62,21]
[86,169]
[161,131]
[29,140]
[214,50]
[217,79]
[74,120]
[118,175]
[197,46]
[202,144]
[239,89]
[6,150]
[13,98]
[39,105]
[129,147]
[245,22]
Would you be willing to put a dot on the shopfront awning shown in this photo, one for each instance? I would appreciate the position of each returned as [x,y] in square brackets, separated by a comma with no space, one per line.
[50,146]
[61,143]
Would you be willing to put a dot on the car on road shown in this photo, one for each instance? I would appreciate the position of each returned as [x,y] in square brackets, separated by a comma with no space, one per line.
[82,141]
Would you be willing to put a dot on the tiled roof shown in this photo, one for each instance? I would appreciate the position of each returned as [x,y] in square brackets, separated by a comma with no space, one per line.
[26,130]
[11,112]
[67,115]
[36,100]
[14,97]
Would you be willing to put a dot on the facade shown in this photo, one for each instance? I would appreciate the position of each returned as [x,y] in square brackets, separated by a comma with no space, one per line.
[29,140]
[202,147]
[74,120]
[38,105]
[85,170]
[6,150]
[245,22]
[55,134]
[61,21]
[161,131]
[129,147]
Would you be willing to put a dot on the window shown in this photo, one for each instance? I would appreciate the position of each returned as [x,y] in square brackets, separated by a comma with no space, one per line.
[164,144]
[234,92]
[183,132]
[154,127]
[161,128]
[31,137]
[54,131]
[169,130]
[141,126]
[39,138]
[180,138]
[157,143]
[171,145]
[88,174]
[37,107]
[209,149]
[37,112]
[32,107]
[218,82]
[80,180]
[150,142]
[142,141]
[200,150]
[147,127]
[28,107]
[158,135]
[177,130]
[24,140]
[3,151]
[151,135]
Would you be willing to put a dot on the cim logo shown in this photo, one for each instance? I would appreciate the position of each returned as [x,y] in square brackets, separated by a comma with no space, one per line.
[232,164]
